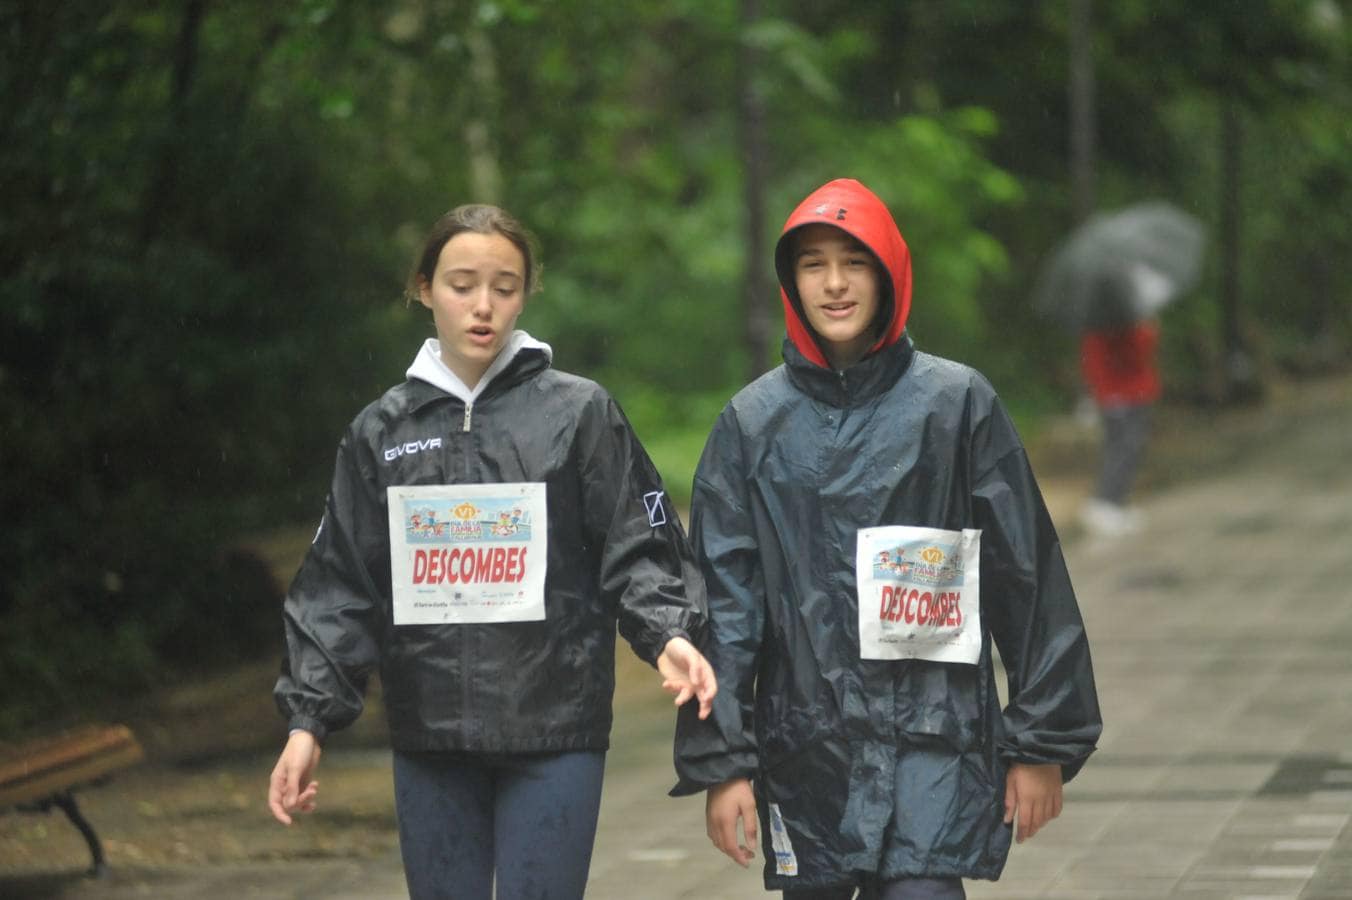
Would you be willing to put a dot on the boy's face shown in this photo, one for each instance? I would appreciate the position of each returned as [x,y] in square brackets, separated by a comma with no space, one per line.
[837,283]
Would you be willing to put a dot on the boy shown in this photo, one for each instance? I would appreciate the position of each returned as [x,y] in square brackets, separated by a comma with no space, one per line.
[861,700]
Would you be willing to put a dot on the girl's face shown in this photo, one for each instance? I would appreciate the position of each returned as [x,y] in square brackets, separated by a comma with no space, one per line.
[838,285]
[476,294]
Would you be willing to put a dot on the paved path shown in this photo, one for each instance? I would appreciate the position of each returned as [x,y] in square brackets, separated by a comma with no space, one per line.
[1222,643]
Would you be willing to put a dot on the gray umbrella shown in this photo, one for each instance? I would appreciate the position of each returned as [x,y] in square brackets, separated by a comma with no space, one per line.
[1121,267]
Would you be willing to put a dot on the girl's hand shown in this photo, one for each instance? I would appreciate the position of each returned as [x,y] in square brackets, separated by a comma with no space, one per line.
[291,788]
[686,673]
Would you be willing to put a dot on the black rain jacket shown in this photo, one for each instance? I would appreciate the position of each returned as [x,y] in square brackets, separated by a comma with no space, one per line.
[877,768]
[517,687]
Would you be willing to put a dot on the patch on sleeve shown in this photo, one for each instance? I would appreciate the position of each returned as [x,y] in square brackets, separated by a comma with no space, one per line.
[657,514]
[785,862]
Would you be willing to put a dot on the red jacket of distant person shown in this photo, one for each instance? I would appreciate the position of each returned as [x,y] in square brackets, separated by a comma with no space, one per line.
[1119,364]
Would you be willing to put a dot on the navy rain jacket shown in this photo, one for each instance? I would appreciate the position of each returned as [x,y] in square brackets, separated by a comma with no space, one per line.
[888,768]
[513,687]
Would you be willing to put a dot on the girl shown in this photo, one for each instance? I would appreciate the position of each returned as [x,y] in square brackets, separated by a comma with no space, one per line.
[495,646]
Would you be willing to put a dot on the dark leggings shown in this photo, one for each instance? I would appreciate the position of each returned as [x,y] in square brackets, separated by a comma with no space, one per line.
[901,889]
[1126,431]
[530,819]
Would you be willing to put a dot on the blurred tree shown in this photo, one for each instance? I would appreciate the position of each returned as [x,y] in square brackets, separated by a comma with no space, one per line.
[756,289]
[1255,61]
[1155,64]
[170,257]
[1083,131]
[210,209]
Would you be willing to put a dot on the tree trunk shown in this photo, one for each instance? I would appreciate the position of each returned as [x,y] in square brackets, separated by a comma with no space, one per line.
[164,179]
[756,288]
[1083,128]
[1240,374]
[485,173]
[247,87]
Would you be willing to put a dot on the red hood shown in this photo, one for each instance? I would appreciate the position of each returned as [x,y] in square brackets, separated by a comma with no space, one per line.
[854,209]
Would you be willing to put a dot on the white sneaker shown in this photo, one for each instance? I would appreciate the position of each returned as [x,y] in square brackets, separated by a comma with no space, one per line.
[1105,519]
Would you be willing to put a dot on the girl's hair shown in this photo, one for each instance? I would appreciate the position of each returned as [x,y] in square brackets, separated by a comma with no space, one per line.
[479,218]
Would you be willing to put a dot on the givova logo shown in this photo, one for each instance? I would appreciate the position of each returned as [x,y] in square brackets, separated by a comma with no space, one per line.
[411,447]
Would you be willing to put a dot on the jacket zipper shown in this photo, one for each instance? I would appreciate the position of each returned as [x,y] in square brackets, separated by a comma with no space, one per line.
[466,631]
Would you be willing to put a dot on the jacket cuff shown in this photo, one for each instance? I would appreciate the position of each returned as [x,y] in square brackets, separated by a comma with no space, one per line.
[312,725]
[686,786]
[1069,767]
[661,643]
[699,773]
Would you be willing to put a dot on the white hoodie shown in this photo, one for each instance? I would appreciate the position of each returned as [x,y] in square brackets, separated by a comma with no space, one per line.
[429,367]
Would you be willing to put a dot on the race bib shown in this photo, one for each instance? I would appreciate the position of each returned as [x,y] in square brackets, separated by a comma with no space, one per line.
[919,593]
[468,553]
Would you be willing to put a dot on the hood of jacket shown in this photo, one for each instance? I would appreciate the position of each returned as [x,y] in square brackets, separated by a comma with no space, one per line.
[429,367]
[846,204]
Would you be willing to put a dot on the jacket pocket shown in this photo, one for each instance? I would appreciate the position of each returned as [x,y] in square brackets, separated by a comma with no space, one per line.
[938,703]
[927,726]
[805,770]
[788,738]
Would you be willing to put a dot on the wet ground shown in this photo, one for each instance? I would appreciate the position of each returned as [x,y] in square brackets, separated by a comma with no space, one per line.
[1222,640]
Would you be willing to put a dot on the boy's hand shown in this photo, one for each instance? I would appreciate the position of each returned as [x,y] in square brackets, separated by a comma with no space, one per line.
[686,673]
[291,788]
[1035,792]
[723,807]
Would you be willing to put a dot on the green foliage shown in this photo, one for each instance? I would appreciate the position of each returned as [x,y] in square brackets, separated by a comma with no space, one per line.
[174,257]
[210,211]
[1293,254]
[673,428]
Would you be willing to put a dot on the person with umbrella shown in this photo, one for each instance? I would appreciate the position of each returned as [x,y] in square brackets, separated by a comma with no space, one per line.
[1118,365]
[1109,280]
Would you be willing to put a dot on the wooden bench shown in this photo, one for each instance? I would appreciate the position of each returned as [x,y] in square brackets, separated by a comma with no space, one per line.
[38,774]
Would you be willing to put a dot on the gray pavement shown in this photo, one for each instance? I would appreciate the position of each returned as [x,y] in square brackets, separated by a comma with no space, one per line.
[1222,641]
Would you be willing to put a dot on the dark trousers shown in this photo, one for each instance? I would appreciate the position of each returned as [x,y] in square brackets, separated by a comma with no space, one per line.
[529,820]
[1126,429]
